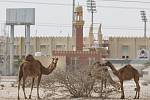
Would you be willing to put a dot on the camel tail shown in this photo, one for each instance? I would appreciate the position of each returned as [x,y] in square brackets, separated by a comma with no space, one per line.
[20,74]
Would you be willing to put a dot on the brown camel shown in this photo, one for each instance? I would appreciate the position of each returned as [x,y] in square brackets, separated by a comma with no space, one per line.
[101,72]
[126,73]
[33,68]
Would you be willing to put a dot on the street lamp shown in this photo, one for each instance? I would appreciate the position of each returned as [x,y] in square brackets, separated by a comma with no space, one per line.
[144,19]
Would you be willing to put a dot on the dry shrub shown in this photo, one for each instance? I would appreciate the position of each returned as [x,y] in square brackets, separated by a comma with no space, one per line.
[48,83]
[78,82]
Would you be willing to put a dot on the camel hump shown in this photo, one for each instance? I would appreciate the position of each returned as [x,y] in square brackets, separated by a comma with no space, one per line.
[29,58]
[130,67]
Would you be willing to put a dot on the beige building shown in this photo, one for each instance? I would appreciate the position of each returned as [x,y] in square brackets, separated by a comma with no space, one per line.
[118,47]
[45,45]
[127,47]
[39,46]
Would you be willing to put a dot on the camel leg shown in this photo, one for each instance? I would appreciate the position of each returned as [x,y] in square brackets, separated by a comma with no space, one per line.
[138,91]
[101,90]
[19,88]
[31,87]
[39,79]
[122,90]
[105,83]
[23,87]
[137,95]
[19,80]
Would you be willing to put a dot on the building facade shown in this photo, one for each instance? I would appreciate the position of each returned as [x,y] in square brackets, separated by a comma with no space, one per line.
[70,49]
[128,47]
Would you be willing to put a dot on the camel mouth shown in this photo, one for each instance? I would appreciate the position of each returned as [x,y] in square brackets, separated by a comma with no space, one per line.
[103,64]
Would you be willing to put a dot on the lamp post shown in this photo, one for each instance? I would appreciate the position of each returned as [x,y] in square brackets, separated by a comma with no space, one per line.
[144,19]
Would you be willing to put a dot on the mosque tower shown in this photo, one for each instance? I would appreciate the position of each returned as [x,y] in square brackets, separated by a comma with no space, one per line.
[78,29]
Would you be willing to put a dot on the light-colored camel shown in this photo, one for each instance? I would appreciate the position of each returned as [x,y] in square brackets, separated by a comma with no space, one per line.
[34,69]
[126,73]
[101,72]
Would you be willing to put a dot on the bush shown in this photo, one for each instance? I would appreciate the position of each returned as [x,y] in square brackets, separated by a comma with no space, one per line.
[78,82]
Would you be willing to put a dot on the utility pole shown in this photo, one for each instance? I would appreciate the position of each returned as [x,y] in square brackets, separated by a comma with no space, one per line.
[91,7]
[73,8]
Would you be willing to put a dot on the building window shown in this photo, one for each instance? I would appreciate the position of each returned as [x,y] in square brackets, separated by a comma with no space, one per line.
[75,61]
[24,49]
[43,49]
[60,47]
[125,50]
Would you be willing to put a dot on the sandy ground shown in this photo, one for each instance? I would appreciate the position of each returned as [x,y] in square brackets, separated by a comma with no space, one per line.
[10,93]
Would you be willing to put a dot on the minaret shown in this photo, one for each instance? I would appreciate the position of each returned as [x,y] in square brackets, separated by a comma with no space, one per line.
[100,36]
[78,29]
[91,37]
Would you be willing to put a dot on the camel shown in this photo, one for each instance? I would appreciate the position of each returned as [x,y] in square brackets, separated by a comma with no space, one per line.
[33,68]
[126,73]
[101,72]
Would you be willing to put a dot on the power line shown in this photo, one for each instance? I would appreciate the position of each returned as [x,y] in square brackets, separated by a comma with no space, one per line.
[114,28]
[44,3]
[69,25]
[124,7]
[127,1]
[62,4]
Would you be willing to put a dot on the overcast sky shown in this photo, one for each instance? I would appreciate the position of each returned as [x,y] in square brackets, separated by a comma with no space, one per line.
[118,18]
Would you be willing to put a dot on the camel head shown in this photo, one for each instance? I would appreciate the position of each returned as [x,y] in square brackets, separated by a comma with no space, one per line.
[97,68]
[55,60]
[108,63]
[29,57]
[96,64]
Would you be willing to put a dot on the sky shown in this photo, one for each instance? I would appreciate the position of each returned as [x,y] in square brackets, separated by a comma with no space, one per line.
[54,17]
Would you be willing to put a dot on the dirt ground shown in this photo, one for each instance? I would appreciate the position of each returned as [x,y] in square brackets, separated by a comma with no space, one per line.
[10,93]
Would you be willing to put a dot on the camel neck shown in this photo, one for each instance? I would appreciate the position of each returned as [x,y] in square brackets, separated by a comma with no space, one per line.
[115,71]
[49,70]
